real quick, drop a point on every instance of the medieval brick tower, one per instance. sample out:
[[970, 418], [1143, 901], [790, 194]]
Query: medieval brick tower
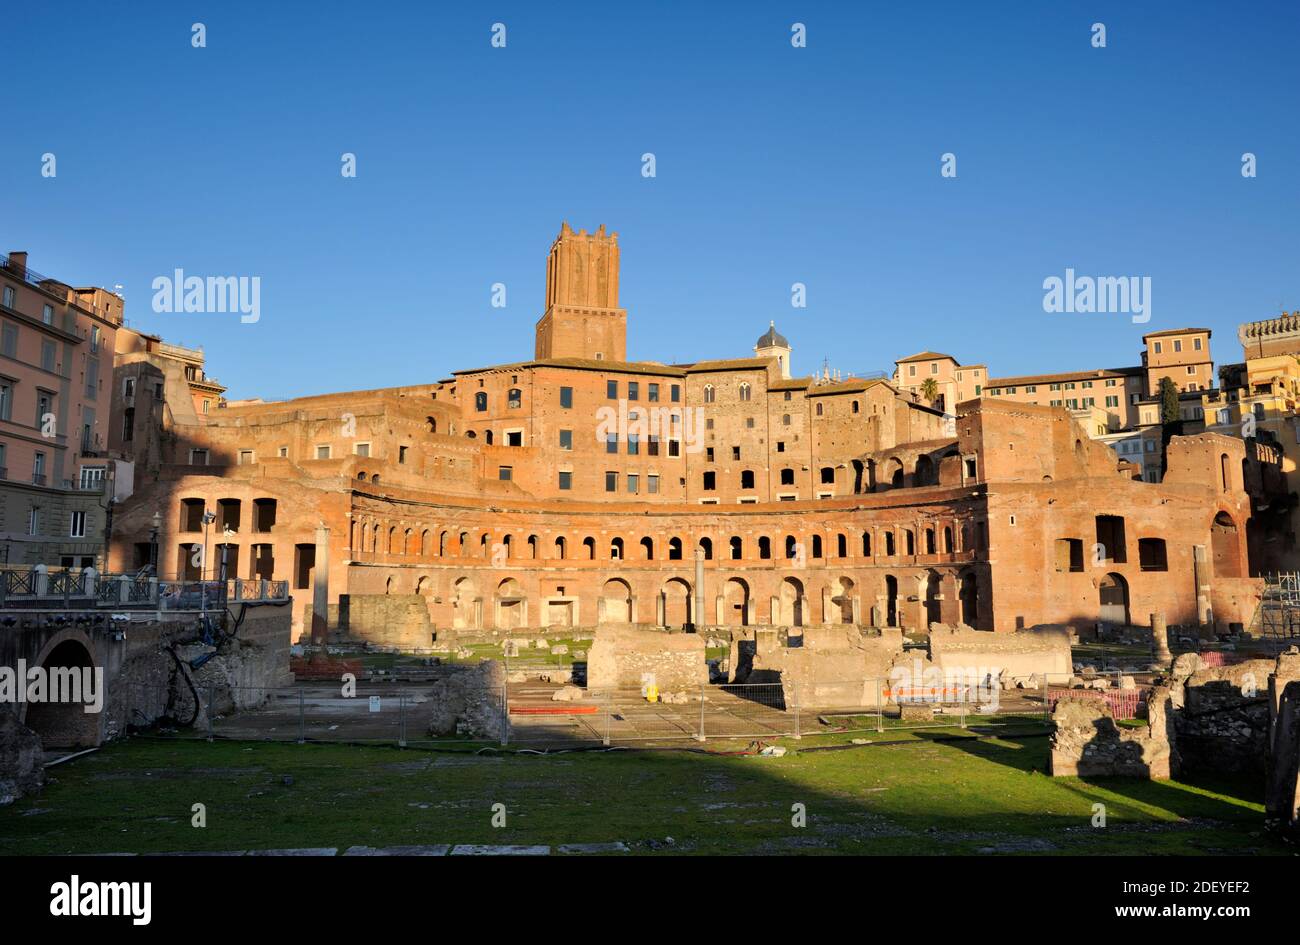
[[582, 317]]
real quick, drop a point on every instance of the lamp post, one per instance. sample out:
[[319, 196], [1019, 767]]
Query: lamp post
[[227, 533], [208, 519], [156, 522]]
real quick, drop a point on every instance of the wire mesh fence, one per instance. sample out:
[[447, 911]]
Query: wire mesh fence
[[532, 713]]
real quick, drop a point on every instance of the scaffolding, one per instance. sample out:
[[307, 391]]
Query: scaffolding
[[1278, 615]]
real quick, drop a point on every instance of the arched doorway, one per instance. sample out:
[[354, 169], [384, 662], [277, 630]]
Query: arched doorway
[[842, 601], [617, 594], [791, 602], [933, 594], [1225, 546], [65, 723], [1113, 598], [735, 603], [891, 601], [675, 603], [462, 604], [511, 605], [968, 593]]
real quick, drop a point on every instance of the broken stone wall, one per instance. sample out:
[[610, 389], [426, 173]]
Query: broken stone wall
[[621, 657], [822, 667], [1010, 658], [1282, 781], [400, 621], [1087, 742], [1223, 714]]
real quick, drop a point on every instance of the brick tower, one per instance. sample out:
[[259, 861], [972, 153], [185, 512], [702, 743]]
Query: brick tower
[[582, 317]]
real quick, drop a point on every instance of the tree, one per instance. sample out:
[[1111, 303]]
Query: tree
[[930, 389], [1168, 401]]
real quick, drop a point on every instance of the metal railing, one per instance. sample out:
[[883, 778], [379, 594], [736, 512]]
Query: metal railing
[[419, 715], [41, 587]]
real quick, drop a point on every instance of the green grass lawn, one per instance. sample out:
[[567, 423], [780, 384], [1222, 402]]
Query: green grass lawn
[[906, 793]]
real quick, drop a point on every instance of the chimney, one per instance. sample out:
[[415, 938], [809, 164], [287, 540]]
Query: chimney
[[18, 264]]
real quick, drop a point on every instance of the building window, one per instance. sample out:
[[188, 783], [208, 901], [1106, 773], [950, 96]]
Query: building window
[[633, 390], [611, 390], [323, 452], [401, 453], [652, 484], [787, 477], [785, 420], [735, 452], [652, 446], [362, 449], [200, 457], [480, 401], [710, 481], [747, 479], [245, 457], [9, 340], [633, 444], [652, 393], [675, 394], [708, 393], [744, 392], [9, 296], [819, 409], [566, 439], [514, 398], [611, 443], [780, 446], [505, 473], [566, 481], [78, 529], [633, 484], [34, 521], [47, 314], [47, 356], [674, 448], [566, 397], [611, 481]]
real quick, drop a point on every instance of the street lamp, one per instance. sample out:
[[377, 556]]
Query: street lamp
[[227, 533], [156, 521], [208, 519]]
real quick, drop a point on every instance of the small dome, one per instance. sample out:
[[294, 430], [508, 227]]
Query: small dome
[[772, 338]]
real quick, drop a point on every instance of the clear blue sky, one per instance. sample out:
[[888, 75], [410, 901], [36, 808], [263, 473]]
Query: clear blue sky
[[775, 165]]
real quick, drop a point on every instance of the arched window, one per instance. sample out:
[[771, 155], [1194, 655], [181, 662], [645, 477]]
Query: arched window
[[765, 548], [828, 475], [791, 546], [708, 393], [747, 479], [866, 544], [487, 437], [787, 477], [737, 547], [744, 391], [706, 545], [819, 408], [648, 548], [841, 545], [590, 545], [616, 549], [480, 401], [560, 546], [514, 398], [674, 549], [817, 546]]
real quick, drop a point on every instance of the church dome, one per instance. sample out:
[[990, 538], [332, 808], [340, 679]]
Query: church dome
[[772, 338]]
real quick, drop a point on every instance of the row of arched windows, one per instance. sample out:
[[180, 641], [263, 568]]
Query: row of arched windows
[[374, 538]]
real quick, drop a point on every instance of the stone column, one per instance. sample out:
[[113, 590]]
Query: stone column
[[320, 598], [1201, 575], [698, 616], [1160, 640]]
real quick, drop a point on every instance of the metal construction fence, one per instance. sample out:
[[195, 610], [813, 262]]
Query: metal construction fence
[[424, 714], [1123, 703]]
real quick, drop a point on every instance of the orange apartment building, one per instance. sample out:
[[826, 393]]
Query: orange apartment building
[[56, 368], [582, 488]]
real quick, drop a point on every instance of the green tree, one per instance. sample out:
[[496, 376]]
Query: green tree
[[1168, 401], [930, 389]]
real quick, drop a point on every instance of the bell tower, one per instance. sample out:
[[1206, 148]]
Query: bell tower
[[582, 318]]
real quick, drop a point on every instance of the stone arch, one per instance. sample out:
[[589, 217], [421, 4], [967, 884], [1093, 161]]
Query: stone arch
[[968, 596], [589, 545], [1112, 599], [736, 547], [647, 548], [932, 594], [674, 549], [561, 547], [616, 549], [735, 602], [894, 474], [841, 599], [512, 605], [616, 597], [464, 604], [791, 601], [892, 615], [676, 605], [924, 472], [65, 724], [1225, 545], [706, 545]]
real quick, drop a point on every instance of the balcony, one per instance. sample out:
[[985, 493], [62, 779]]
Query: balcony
[[38, 479]]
